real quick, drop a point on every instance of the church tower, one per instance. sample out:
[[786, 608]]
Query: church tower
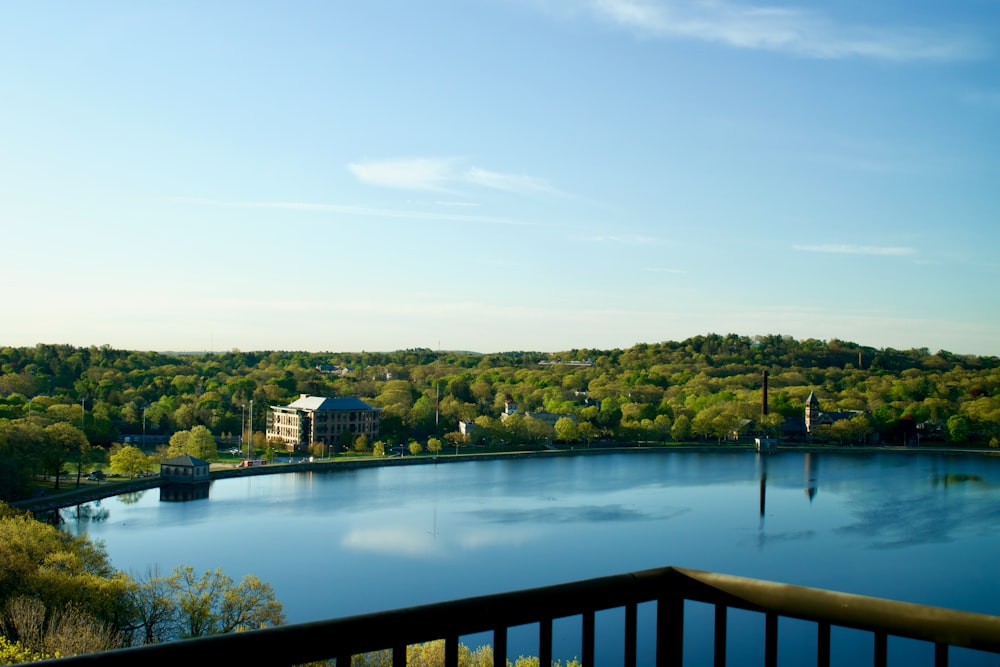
[[812, 411]]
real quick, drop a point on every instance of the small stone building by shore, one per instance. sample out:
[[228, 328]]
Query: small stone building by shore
[[184, 469]]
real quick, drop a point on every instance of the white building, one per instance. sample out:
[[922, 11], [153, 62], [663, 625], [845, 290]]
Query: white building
[[321, 419]]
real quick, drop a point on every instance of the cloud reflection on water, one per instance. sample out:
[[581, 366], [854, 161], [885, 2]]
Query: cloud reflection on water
[[581, 514]]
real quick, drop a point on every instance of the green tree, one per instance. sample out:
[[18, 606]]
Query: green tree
[[62, 441], [212, 604], [681, 428], [958, 428], [378, 449], [434, 445], [198, 442], [59, 570], [566, 430], [21, 442], [153, 608], [130, 461], [455, 439], [202, 444], [416, 448], [178, 444]]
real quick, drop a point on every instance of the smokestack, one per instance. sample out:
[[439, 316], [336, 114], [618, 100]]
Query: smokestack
[[763, 397]]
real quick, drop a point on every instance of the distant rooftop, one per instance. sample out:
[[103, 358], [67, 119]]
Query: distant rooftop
[[325, 403]]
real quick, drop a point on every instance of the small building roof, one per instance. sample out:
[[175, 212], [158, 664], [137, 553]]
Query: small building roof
[[812, 399], [184, 460], [325, 403]]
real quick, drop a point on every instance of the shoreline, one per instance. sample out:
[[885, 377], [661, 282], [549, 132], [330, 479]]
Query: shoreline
[[229, 471]]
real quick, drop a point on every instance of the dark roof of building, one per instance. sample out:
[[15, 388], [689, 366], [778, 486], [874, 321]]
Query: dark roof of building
[[812, 399], [326, 403], [184, 460], [793, 425]]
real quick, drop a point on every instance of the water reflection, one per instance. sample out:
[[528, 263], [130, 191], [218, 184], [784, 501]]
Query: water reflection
[[579, 514], [423, 533], [83, 513], [811, 462], [132, 497], [179, 493]]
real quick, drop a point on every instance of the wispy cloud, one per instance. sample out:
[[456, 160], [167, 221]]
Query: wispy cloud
[[367, 211], [410, 174], [444, 175], [801, 32], [507, 182], [844, 249]]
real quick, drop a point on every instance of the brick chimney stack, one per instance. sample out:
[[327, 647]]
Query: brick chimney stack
[[763, 398]]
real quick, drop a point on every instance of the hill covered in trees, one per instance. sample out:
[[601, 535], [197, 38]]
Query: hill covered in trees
[[700, 388]]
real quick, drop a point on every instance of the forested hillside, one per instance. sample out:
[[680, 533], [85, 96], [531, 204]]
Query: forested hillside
[[700, 388]]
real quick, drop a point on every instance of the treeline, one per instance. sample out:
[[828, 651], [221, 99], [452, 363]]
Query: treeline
[[703, 387]]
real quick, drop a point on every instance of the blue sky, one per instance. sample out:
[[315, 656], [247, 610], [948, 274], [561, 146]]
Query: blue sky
[[499, 174]]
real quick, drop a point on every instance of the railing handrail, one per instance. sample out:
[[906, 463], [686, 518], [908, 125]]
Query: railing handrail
[[861, 612], [318, 640]]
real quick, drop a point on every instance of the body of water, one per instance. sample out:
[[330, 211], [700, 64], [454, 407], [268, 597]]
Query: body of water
[[920, 527]]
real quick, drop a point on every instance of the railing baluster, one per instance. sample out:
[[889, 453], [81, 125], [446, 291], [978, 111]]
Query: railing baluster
[[451, 651], [940, 655], [587, 650], [545, 643], [399, 656], [500, 647], [822, 645], [344, 661], [770, 640], [881, 649], [631, 633], [669, 630], [720, 635]]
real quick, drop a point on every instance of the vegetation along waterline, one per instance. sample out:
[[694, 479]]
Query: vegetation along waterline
[[67, 413], [94, 419]]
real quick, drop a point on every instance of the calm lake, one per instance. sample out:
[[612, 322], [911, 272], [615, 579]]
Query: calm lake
[[920, 527]]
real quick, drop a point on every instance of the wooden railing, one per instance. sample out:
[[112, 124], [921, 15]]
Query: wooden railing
[[669, 588]]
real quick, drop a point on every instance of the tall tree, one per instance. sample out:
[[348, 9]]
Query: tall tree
[[62, 442], [130, 460], [198, 442]]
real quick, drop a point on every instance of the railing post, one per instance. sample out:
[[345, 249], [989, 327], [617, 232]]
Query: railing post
[[823, 645], [500, 647], [940, 655], [720, 635], [631, 633], [451, 651], [399, 656], [587, 650], [669, 630], [770, 639], [881, 649], [545, 643]]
